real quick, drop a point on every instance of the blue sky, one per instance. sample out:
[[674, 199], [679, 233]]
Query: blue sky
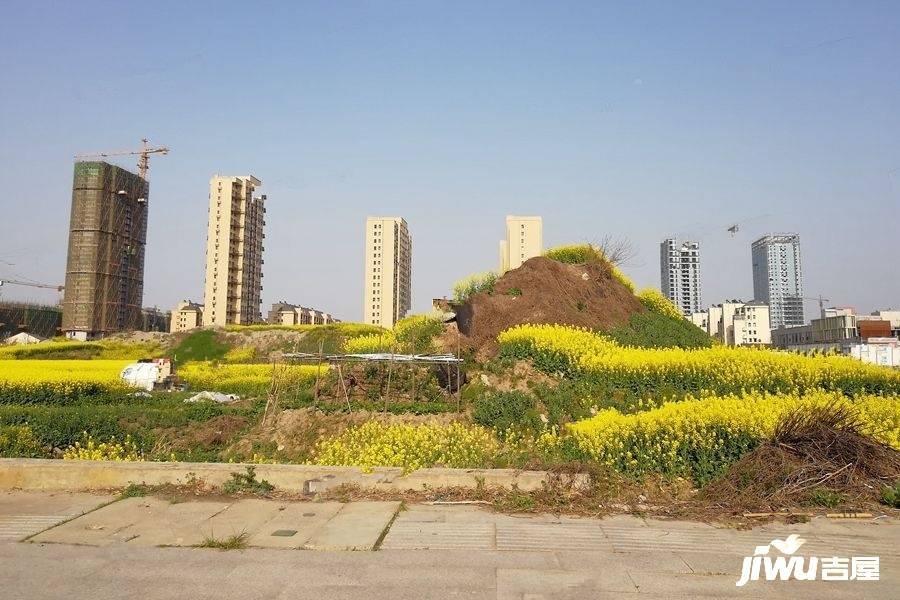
[[635, 119]]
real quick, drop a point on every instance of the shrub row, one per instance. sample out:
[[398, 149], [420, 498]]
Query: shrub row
[[581, 353]]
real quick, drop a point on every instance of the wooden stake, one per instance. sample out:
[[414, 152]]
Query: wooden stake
[[344, 386]]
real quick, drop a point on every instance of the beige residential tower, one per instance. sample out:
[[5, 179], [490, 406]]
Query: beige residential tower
[[234, 247], [387, 295], [524, 240]]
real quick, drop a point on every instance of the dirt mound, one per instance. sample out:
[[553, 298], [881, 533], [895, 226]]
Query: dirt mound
[[546, 291], [202, 435], [817, 457]]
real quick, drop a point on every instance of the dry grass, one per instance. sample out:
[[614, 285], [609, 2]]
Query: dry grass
[[816, 457]]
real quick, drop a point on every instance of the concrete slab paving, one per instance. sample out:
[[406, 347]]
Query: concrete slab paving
[[357, 526], [519, 534], [23, 514], [182, 524], [426, 535], [104, 526], [305, 518], [245, 516]]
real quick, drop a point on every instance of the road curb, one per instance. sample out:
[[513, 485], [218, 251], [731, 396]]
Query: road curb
[[49, 474]]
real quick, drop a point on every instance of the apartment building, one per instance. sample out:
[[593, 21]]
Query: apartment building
[[751, 326], [105, 263], [387, 294], [284, 313], [736, 323], [187, 315], [679, 267], [778, 278], [234, 248], [524, 240]]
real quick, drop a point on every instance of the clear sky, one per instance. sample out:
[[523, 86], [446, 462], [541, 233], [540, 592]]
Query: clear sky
[[637, 119]]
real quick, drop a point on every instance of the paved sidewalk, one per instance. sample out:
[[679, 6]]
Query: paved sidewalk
[[263, 523], [427, 552], [26, 513]]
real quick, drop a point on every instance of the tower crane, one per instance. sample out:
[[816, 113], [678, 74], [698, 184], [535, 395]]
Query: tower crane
[[143, 156], [821, 301], [46, 286]]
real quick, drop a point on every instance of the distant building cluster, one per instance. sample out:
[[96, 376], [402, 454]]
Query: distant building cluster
[[777, 290], [283, 313], [871, 338], [105, 275], [736, 323]]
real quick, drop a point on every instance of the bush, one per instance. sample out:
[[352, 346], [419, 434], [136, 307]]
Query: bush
[[578, 352], [199, 345], [700, 437], [890, 495], [415, 333], [654, 301], [575, 254], [654, 330], [579, 254], [411, 447], [243, 354], [474, 284], [506, 410], [375, 343], [18, 441], [63, 426], [246, 380], [89, 449]]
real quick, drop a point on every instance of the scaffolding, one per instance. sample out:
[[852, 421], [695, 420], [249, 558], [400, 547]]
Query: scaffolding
[[447, 369], [107, 234]]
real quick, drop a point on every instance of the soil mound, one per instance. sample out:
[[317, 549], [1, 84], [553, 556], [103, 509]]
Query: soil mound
[[545, 291], [816, 455]]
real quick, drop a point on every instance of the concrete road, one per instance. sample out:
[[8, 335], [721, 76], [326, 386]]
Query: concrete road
[[427, 552]]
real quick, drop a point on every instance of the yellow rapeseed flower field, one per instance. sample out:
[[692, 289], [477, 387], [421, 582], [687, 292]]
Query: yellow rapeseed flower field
[[411, 447], [574, 351], [30, 381], [248, 379], [697, 436]]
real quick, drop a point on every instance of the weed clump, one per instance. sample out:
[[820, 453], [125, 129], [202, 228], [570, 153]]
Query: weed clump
[[246, 483]]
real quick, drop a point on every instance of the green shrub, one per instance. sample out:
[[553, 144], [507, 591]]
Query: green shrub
[[890, 495], [575, 254], [18, 441], [415, 333], [62, 426], [825, 497], [200, 345], [506, 410], [242, 354], [474, 284], [654, 301], [514, 292], [655, 330]]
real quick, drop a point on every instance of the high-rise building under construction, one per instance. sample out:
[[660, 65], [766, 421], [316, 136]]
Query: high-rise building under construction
[[234, 247], [105, 267]]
